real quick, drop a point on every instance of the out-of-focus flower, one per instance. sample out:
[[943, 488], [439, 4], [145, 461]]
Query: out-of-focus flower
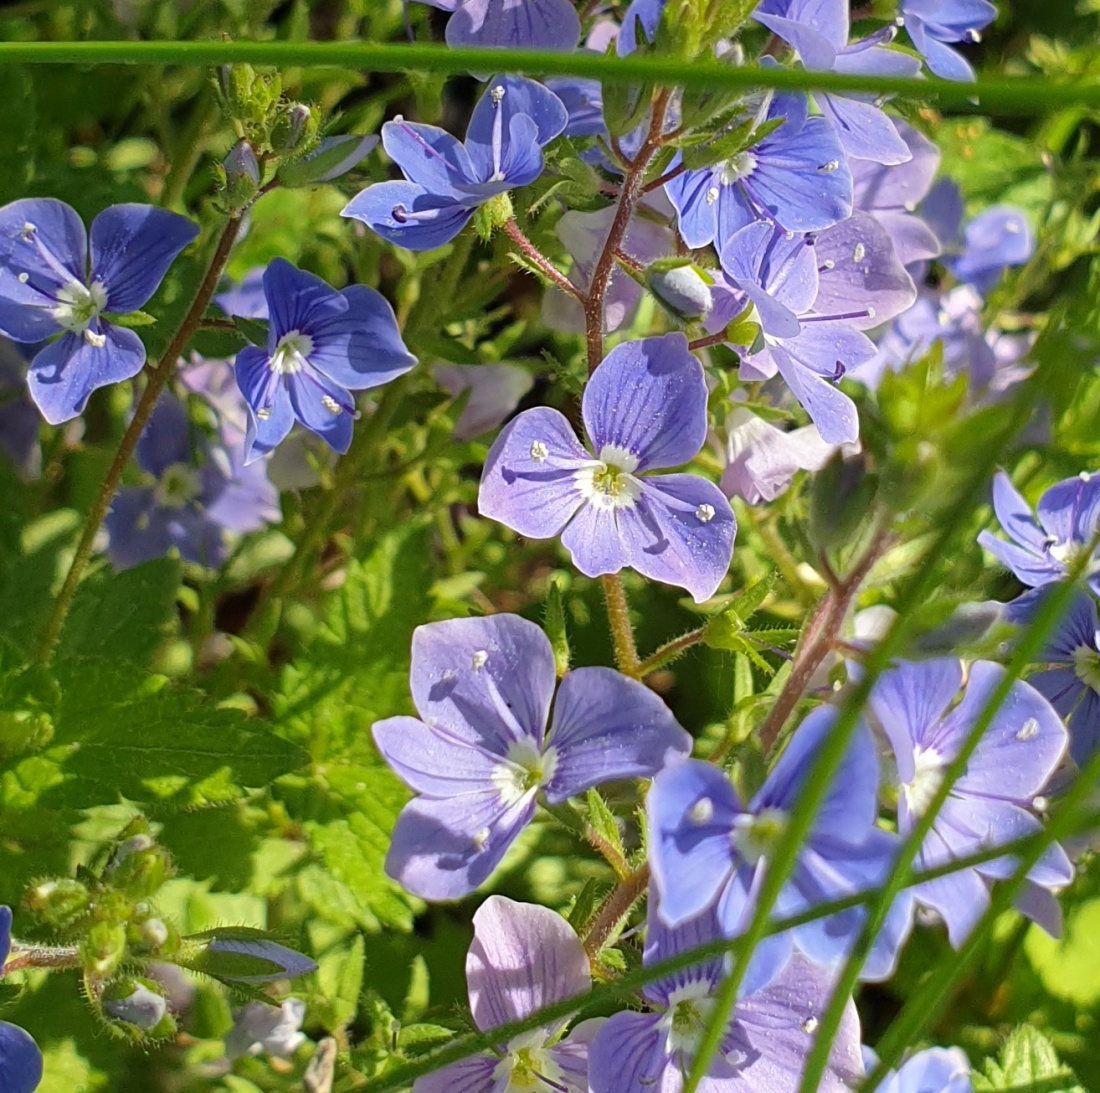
[[935, 25], [260, 1029], [495, 389], [20, 1059], [48, 287], [511, 24], [19, 417], [482, 752], [644, 409]]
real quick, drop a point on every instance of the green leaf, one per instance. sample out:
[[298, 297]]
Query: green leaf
[[602, 821], [1028, 1064], [1068, 967], [122, 616], [724, 630], [255, 330], [131, 319], [554, 624], [118, 734]]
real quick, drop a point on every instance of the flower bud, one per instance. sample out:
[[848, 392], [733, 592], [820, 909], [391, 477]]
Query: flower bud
[[237, 954], [333, 157], [58, 903], [294, 131], [138, 867], [683, 288], [104, 949], [139, 1007]]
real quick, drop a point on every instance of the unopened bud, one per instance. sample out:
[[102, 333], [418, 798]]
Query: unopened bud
[[104, 949], [58, 903], [141, 870], [140, 1007], [238, 954], [295, 130], [684, 289]]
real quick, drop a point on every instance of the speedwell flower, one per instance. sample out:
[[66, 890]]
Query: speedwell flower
[[20, 1059], [482, 751], [644, 409], [48, 287], [511, 24], [321, 345]]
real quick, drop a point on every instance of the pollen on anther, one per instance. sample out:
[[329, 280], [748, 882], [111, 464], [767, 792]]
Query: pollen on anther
[[28, 230], [263, 413], [330, 404], [1028, 730], [829, 263], [23, 278], [477, 661], [871, 313], [828, 168], [859, 253], [539, 451], [809, 1026], [497, 93], [702, 811], [712, 195], [704, 514], [97, 341]]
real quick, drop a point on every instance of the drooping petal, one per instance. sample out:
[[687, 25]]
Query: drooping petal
[[529, 480], [487, 682], [648, 398], [515, 24], [681, 531], [410, 216], [20, 1060], [943, 61], [523, 957], [863, 130], [830, 409], [132, 248], [605, 727], [431, 761], [446, 848], [861, 277], [909, 701], [690, 810], [1020, 748], [67, 371], [429, 156]]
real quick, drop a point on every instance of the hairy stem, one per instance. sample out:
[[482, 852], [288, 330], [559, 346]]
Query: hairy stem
[[538, 259], [615, 908], [157, 381], [670, 651], [41, 956], [618, 616]]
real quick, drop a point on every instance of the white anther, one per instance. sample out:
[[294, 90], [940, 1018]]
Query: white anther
[[28, 230], [481, 838], [871, 313], [829, 263], [1012, 227], [539, 451], [478, 660], [1028, 730], [712, 195], [859, 252], [23, 278], [330, 404], [828, 168], [973, 36], [789, 236], [96, 341], [399, 117], [263, 413], [704, 514], [809, 1026], [497, 93], [701, 812], [1040, 804]]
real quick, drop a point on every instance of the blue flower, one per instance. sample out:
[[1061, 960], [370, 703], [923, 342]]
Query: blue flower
[[818, 31], [446, 181], [1046, 542], [707, 850], [934, 1070], [19, 417], [47, 288], [934, 25], [796, 177], [511, 24], [192, 502], [321, 345], [20, 1059]]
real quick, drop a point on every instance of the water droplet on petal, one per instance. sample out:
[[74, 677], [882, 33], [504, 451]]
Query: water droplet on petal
[[23, 278], [828, 168], [809, 1026]]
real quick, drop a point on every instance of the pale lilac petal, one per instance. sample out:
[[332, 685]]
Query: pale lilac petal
[[909, 701], [409, 215], [832, 411], [132, 248], [861, 277], [1021, 747], [605, 727], [430, 761], [487, 682], [680, 531], [943, 61], [690, 809], [934, 1070], [445, 849], [648, 398], [471, 1075], [1070, 509], [529, 480], [67, 371], [515, 24], [1015, 514], [960, 898], [864, 131], [784, 268], [817, 49], [495, 389], [879, 188], [914, 241], [1032, 569], [628, 1056], [594, 541], [523, 958], [166, 438]]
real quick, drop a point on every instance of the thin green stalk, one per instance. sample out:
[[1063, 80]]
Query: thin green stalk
[[1032, 641], [1020, 95], [829, 758], [157, 380]]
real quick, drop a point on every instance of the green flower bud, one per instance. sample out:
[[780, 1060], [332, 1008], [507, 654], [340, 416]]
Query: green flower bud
[[138, 1008], [58, 903], [104, 949], [295, 131]]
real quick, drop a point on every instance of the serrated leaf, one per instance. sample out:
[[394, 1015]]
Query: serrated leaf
[[584, 906], [602, 821], [725, 629], [554, 625], [1029, 1064]]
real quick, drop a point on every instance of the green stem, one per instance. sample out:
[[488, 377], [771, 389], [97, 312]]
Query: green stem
[[670, 651], [989, 94], [157, 381], [603, 924]]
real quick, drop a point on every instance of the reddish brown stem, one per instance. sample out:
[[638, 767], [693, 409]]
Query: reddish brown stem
[[668, 176], [709, 340], [605, 921], [537, 258]]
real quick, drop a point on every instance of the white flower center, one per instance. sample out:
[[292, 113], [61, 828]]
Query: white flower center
[[928, 770], [756, 837], [528, 1067], [689, 1008], [1086, 663], [741, 166], [523, 770], [292, 353], [178, 486], [608, 483], [77, 305]]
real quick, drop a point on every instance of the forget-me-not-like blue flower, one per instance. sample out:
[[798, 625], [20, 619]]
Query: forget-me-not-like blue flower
[[511, 24], [708, 850], [796, 177], [992, 803], [818, 31], [20, 1059], [644, 409], [482, 751], [1047, 541], [48, 287], [934, 1070], [523, 958], [764, 1046], [322, 344], [446, 181], [935, 25]]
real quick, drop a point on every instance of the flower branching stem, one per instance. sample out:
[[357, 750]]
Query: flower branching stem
[[158, 378], [540, 261], [606, 921]]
